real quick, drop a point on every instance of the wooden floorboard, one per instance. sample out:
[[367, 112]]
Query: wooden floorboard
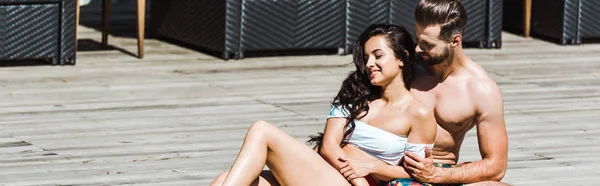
[[178, 117]]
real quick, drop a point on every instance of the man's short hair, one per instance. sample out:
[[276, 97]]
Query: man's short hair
[[449, 14]]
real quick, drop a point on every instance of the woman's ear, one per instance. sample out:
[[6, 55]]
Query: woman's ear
[[400, 62]]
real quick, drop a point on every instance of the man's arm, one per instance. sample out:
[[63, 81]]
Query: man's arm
[[492, 140], [491, 136]]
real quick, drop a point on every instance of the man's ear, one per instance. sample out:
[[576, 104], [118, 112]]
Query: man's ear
[[456, 40]]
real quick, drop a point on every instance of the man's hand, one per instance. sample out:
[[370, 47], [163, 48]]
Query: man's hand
[[421, 169], [355, 168]]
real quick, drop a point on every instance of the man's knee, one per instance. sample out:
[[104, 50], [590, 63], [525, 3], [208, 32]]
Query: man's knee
[[220, 179]]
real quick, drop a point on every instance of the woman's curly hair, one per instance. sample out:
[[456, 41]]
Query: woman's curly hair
[[357, 91]]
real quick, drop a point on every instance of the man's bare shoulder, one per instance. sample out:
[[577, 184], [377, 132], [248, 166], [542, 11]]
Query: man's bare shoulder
[[481, 83], [483, 90]]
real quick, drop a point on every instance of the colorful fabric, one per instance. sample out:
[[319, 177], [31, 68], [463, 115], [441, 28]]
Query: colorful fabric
[[411, 182]]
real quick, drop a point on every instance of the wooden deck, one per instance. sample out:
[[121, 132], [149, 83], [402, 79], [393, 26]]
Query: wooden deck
[[178, 117]]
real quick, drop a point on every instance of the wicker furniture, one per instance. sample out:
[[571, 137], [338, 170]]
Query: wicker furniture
[[38, 30]]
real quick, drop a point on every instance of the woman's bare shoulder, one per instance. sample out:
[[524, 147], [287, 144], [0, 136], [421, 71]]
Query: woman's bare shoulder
[[419, 110]]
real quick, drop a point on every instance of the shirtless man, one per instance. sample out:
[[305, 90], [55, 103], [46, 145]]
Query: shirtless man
[[463, 97]]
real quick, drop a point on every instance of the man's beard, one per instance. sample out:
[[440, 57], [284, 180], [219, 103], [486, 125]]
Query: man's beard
[[434, 60]]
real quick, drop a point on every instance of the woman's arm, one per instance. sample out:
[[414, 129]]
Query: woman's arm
[[331, 150], [363, 162], [424, 127], [332, 137], [423, 130]]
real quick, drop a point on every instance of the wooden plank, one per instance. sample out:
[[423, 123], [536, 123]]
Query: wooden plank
[[178, 117]]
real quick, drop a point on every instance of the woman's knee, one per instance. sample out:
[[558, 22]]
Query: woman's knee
[[258, 131], [220, 179], [261, 124], [260, 127], [262, 131]]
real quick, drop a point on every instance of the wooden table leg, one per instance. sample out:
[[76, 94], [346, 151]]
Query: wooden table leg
[[105, 22], [141, 18], [527, 17]]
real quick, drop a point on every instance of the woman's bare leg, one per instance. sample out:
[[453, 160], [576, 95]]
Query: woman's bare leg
[[266, 178], [291, 161], [488, 183]]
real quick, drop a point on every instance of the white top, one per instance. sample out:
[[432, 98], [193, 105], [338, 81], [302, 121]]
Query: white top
[[381, 144]]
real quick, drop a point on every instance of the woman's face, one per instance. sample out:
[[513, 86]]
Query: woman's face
[[382, 64]]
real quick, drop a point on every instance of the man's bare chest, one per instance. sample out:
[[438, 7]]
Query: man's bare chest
[[455, 111]]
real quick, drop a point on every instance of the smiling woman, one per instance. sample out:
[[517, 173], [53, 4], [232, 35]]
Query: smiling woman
[[374, 113]]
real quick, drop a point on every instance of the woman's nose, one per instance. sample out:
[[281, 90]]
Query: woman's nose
[[370, 62]]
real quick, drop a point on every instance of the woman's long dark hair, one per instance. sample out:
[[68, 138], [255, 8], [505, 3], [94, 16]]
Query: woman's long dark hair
[[357, 90]]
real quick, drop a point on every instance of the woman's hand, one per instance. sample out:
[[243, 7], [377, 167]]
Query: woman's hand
[[355, 168]]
